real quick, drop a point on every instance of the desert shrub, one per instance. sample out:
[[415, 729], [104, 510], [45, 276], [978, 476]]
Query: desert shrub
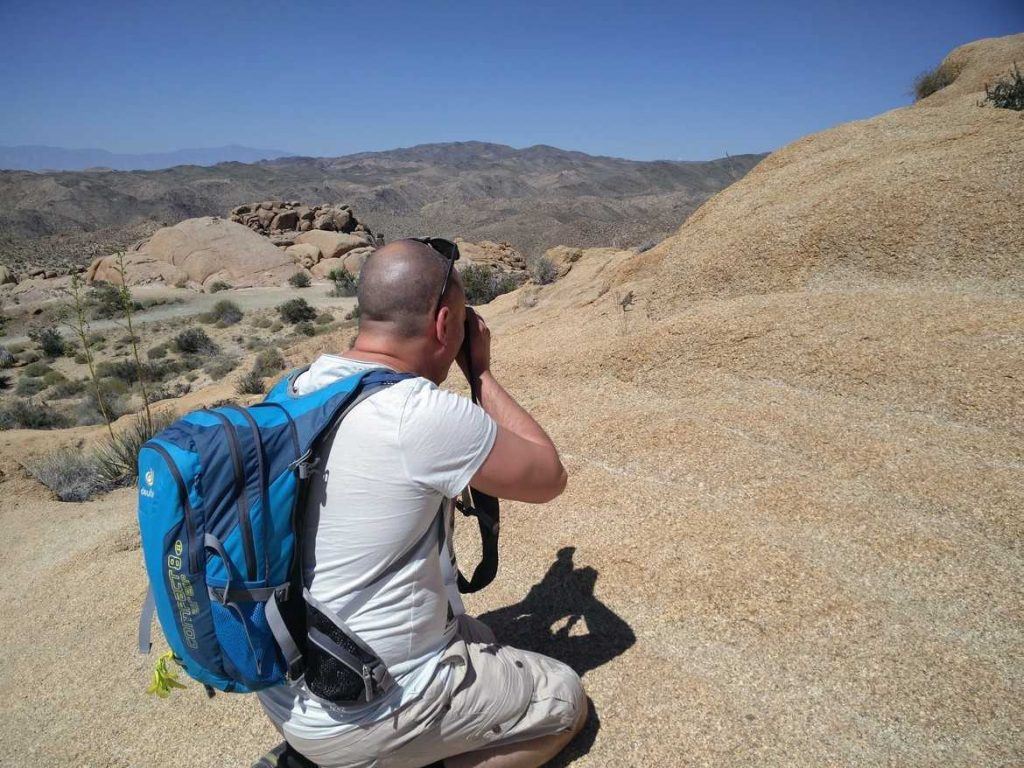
[[50, 342], [934, 80], [71, 474], [324, 318], [224, 312], [646, 245], [250, 383], [104, 301], [28, 357], [1007, 93], [96, 339], [81, 358], [543, 270], [268, 363], [217, 286], [117, 458], [17, 348], [484, 284], [353, 314], [296, 311], [191, 362], [181, 282], [299, 280], [53, 377], [276, 326], [5, 382], [28, 414], [68, 388], [128, 371], [306, 329], [7, 359], [157, 352], [29, 385], [220, 367], [38, 368], [260, 322], [194, 341], [345, 284], [4, 320]]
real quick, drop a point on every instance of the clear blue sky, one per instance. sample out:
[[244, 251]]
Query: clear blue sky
[[674, 80]]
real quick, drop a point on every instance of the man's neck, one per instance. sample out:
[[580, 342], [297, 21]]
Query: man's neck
[[404, 361]]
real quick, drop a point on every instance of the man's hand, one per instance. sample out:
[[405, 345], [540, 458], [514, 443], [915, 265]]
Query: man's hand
[[479, 345]]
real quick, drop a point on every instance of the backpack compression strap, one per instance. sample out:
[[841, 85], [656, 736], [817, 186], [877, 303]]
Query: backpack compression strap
[[477, 503]]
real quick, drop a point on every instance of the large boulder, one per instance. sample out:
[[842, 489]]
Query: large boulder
[[331, 244], [352, 261], [500, 256], [563, 257], [198, 252], [305, 254]]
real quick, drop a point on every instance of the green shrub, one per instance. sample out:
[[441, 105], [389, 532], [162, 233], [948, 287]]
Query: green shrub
[[936, 79], [38, 368], [324, 318], [251, 383], [104, 301], [53, 377], [28, 357], [543, 270], [1008, 92], [157, 352], [50, 342], [71, 474], [68, 388], [224, 313], [269, 362], [217, 286], [128, 371], [299, 280], [194, 341], [29, 385], [345, 284], [296, 311], [220, 367], [28, 414], [484, 284], [306, 329], [7, 359]]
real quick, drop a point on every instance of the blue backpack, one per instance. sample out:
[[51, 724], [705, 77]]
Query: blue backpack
[[221, 494]]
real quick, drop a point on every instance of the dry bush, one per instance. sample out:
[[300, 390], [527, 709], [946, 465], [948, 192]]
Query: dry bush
[[269, 362], [299, 280], [224, 313], [28, 414], [250, 383], [117, 458], [71, 474], [936, 79]]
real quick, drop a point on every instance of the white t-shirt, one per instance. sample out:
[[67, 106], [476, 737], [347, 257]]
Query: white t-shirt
[[394, 460]]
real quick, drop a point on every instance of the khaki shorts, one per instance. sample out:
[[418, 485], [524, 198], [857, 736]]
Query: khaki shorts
[[497, 695]]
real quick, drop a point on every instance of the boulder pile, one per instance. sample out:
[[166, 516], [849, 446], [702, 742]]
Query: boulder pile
[[501, 257], [275, 217]]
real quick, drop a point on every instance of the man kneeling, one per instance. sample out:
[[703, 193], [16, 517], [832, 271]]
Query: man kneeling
[[460, 698]]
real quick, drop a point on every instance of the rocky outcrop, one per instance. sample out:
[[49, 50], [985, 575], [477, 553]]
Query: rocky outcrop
[[273, 217], [198, 252], [563, 257], [500, 256]]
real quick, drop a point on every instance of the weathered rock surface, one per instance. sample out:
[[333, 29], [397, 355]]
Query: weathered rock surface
[[331, 244], [197, 252], [563, 257], [500, 256]]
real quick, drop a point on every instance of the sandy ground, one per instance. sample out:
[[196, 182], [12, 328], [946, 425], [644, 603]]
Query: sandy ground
[[788, 549]]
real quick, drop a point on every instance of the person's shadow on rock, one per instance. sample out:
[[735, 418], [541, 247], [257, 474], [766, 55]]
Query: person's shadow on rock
[[545, 621]]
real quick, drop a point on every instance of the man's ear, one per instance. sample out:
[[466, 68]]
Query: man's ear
[[441, 325]]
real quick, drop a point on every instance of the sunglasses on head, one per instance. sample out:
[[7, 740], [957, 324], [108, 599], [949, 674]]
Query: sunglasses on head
[[450, 252]]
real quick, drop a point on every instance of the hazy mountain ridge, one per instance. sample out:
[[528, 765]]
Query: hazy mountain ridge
[[534, 197], [39, 157]]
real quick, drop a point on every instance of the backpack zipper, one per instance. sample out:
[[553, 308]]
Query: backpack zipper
[[248, 546], [193, 564]]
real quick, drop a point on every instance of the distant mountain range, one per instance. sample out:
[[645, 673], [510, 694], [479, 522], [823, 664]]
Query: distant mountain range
[[534, 198], [43, 158]]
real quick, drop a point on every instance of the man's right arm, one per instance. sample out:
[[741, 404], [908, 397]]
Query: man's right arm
[[523, 465]]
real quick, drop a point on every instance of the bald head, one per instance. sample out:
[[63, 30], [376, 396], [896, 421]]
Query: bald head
[[399, 284]]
